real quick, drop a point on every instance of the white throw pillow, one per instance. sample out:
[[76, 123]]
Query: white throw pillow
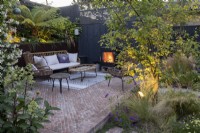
[[39, 61], [73, 57], [51, 59]]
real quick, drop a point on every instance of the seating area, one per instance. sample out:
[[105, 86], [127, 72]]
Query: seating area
[[93, 66], [49, 71], [44, 63]]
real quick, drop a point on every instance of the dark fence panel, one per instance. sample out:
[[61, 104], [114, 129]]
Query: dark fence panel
[[93, 27], [89, 46], [72, 12], [190, 30]]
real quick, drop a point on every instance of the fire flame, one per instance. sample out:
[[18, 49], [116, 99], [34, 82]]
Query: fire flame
[[108, 57]]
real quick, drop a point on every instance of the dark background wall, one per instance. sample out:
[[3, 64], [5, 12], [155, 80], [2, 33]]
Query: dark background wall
[[71, 12], [93, 27], [89, 46]]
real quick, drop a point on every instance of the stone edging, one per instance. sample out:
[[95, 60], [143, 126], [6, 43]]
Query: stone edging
[[99, 125]]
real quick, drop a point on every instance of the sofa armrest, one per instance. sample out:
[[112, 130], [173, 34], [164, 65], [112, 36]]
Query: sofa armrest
[[43, 72], [28, 57]]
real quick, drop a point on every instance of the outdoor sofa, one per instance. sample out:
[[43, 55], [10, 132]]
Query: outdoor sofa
[[44, 63]]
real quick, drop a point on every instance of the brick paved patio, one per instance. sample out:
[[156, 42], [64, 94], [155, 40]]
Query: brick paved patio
[[81, 110]]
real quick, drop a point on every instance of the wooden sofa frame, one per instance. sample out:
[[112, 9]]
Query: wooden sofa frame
[[45, 72]]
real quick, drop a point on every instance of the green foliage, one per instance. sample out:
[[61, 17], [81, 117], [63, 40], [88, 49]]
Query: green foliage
[[180, 103], [19, 110], [121, 118], [151, 37], [172, 109], [108, 77], [180, 71], [140, 106], [190, 123], [44, 23]]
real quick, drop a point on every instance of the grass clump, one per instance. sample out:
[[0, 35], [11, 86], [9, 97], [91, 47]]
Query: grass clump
[[173, 111]]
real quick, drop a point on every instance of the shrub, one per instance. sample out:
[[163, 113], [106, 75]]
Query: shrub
[[19, 112], [182, 103], [121, 117], [135, 113], [179, 71], [173, 107], [190, 124]]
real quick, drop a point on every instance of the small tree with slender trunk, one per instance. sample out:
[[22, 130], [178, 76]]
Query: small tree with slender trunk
[[142, 30]]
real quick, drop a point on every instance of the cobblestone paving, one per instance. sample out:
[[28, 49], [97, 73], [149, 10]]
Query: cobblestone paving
[[81, 110]]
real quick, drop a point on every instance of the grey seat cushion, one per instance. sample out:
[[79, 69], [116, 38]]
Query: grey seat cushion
[[63, 65]]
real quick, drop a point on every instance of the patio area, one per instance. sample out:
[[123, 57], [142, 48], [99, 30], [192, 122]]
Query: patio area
[[67, 67], [81, 111]]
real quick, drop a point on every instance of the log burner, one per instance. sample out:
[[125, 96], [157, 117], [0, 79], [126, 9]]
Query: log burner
[[107, 58]]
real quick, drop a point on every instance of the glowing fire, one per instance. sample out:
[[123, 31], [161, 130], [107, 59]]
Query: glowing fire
[[108, 57]]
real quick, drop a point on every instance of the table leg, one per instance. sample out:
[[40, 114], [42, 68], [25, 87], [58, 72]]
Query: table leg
[[53, 84], [95, 71], [81, 76], [60, 80], [67, 83], [70, 75], [109, 82], [122, 84]]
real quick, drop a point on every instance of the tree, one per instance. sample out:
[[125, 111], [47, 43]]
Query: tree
[[142, 30]]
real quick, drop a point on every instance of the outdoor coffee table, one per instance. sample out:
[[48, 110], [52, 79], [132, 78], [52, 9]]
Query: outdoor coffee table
[[60, 76], [84, 68]]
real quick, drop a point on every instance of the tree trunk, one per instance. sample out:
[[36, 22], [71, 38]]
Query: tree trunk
[[155, 86], [149, 87]]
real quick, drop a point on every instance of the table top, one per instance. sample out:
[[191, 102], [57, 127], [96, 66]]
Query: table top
[[83, 67], [59, 75]]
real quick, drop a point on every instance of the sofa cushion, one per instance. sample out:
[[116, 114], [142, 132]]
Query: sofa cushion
[[40, 62], [63, 65], [51, 59], [73, 57], [63, 58]]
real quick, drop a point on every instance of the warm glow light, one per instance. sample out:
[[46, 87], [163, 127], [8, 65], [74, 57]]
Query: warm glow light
[[141, 94], [108, 57]]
